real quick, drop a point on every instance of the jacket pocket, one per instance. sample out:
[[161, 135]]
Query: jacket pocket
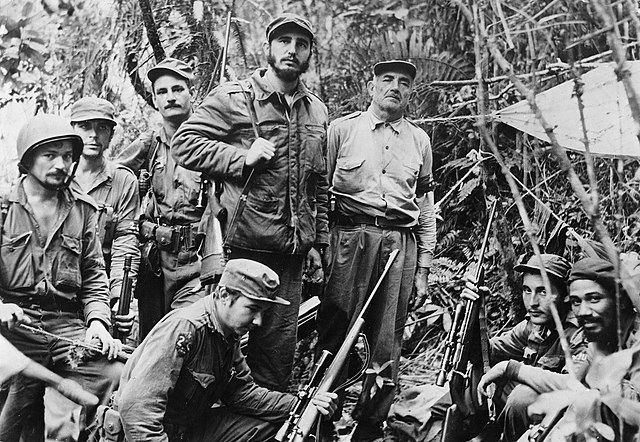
[[16, 262], [192, 389], [66, 269]]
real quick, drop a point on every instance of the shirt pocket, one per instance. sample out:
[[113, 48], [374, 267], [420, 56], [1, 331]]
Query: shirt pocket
[[16, 262], [66, 269], [312, 140], [195, 389], [349, 176]]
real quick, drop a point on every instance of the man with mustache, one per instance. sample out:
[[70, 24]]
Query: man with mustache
[[192, 359], [263, 140], [381, 185], [171, 217], [592, 294], [115, 188], [52, 276]]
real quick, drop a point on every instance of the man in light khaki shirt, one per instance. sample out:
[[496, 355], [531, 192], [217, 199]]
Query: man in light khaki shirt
[[380, 179]]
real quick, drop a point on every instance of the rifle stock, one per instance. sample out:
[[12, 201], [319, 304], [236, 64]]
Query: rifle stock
[[297, 428], [125, 292]]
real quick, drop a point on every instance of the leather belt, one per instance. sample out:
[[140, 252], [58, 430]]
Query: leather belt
[[378, 221]]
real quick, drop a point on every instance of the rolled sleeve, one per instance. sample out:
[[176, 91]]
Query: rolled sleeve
[[426, 232]]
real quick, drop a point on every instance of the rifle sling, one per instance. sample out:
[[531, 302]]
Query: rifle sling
[[242, 201]]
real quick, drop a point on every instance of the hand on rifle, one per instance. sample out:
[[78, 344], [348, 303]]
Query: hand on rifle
[[260, 152], [472, 292], [326, 402], [486, 386], [11, 315], [122, 323], [108, 345]]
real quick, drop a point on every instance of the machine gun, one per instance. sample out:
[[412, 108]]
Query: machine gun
[[304, 413], [465, 416], [125, 293]]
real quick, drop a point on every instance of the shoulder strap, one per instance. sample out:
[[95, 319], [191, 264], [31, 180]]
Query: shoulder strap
[[249, 97]]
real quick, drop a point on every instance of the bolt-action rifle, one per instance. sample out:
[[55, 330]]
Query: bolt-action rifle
[[466, 417], [125, 293], [304, 413]]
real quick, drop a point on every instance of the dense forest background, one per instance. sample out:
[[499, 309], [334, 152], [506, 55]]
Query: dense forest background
[[55, 51]]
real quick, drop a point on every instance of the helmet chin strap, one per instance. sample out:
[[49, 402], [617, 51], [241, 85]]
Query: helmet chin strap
[[65, 184]]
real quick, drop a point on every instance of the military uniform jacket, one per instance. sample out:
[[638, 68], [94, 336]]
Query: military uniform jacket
[[286, 207], [183, 367], [65, 273], [115, 189], [175, 188]]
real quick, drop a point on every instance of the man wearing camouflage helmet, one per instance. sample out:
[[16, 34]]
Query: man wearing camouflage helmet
[[52, 272], [171, 213], [263, 139], [115, 188]]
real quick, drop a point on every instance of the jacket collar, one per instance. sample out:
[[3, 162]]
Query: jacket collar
[[213, 322], [263, 89]]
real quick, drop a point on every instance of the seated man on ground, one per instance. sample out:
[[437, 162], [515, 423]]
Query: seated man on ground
[[191, 360], [592, 293], [534, 341]]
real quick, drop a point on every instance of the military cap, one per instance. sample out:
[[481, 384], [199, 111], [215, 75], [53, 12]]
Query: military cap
[[252, 279], [594, 269], [93, 108], [554, 265], [395, 65], [289, 19], [171, 65]]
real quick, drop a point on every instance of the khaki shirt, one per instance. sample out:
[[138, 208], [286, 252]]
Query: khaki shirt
[[374, 169], [67, 270], [115, 189]]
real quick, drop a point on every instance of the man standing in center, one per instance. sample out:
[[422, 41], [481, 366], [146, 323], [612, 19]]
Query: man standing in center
[[172, 216], [263, 138], [380, 173]]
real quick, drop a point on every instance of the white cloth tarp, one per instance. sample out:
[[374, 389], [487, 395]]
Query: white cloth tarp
[[611, 130]]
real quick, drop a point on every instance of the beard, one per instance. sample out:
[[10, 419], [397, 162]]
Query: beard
[[288, 74]]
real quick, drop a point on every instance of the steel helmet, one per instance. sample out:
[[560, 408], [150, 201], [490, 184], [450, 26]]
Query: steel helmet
[[46, 128]]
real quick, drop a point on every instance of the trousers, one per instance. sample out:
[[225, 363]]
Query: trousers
[[23, 411], [272, 346], [357, 256]]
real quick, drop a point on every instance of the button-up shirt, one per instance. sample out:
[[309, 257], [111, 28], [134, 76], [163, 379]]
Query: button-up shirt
[[67, 267], [175, 188], [374, 169], [183, 367], [115, 189]]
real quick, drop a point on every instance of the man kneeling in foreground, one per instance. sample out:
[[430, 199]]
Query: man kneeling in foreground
[[191, 359]]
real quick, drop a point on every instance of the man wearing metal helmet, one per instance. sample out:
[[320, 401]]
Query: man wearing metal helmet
[[192, 359], [52, 271], [115, 188], [263, 138], [170, 210]]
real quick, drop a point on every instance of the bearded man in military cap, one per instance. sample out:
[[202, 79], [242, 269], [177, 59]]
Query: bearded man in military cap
[[192, 359], [52, 275], [263, 138]]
